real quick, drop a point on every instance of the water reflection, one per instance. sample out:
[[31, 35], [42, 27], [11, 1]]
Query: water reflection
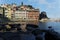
[[45, 25], [42, 25]]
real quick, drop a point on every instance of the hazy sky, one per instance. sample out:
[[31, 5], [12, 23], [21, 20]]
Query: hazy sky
[[52, 7]]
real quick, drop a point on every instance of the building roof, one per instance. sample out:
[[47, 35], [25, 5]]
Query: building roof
[[21, 7]]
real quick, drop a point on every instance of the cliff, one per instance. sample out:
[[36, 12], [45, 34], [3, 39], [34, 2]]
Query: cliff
[[43, 15]]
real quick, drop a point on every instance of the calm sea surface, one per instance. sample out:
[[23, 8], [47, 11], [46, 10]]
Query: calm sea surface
[[45, 25]]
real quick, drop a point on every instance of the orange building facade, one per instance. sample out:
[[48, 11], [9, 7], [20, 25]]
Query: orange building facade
[[33, 15]]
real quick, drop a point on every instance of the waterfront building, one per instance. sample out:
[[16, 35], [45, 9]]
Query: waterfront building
[[33, 14], [8, 13], [22, 12], [28, 12], [1, 10]]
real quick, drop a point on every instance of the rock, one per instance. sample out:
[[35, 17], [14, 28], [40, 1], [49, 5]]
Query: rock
[[43, 15]]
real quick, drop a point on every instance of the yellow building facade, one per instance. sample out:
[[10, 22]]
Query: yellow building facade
[[8, 13]]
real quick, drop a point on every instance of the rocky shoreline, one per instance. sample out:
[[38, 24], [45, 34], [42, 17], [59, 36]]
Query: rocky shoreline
[[33, 33]]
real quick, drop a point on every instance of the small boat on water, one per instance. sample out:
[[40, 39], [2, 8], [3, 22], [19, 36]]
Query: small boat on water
[[51, 34]]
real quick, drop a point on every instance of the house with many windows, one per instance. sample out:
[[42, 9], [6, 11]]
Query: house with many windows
[[21, 12]]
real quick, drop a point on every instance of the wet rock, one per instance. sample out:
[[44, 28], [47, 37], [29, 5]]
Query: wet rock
[[36, 32], [39, 34], [31, 27], [1, 38], [27, 37], [38, 38]]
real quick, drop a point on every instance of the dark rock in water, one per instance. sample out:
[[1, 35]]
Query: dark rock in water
[[50, 27], [39, 34], [16, 36], [1, 38], [38, 38], [18, 28], [52, 35], [15, 25], [27, 37], [48, 36], [43, 15], [36, 32], [2, 27], [10, 36], [31, 27]]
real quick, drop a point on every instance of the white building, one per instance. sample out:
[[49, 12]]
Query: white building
[[20, 14]]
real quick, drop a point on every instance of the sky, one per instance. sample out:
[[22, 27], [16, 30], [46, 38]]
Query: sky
[[51, 7]]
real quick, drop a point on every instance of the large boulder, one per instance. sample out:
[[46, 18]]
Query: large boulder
[[43, 15]]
